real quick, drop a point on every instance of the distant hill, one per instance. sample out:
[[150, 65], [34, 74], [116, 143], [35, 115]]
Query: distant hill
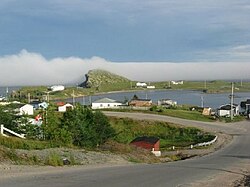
[[97, 77]]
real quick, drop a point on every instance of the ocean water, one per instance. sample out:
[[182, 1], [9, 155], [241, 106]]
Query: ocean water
[[181, 96]]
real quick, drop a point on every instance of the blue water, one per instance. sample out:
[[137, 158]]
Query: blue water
[[181, 96]]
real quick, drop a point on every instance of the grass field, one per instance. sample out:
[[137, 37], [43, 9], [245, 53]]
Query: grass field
[[169, 134]]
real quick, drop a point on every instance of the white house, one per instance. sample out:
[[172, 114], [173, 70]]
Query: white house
[[166, 102], [25, 109], [177, 82], [225, 110], [57, 88], [151, 87], [105, 103], [65, 107], [141, 84]]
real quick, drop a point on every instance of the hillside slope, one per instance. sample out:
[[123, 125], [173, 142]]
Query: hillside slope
[[97, 77]]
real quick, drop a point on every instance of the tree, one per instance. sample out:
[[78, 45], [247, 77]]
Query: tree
[[52, 130], [8, 118], [88, 129]]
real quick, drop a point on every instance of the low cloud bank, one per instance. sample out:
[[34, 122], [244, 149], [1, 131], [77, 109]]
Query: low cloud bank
[[28, 68]]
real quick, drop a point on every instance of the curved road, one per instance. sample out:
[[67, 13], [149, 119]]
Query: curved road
[[181, 173]]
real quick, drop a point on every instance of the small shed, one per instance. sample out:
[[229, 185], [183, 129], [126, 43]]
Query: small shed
[[207, 111], [147, 142], [62, 107]]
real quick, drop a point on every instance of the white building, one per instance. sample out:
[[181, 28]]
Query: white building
[[105, 103], [57, 88], [141, 84], [225, 110], [151, 87], [166, 102], [25, 109], [177, 82], [65, 107]]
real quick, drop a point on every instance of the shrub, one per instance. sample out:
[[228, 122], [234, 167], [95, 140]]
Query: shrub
[[54, 160]]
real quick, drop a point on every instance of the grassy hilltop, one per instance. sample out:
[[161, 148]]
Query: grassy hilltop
[[101, 80]]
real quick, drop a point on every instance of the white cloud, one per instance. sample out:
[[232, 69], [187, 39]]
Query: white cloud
[[28, 68]]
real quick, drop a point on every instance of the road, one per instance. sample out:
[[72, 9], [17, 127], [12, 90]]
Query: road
[[181, 173]]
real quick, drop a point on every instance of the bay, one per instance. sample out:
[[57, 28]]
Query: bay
[[189, 97], [181, 96]]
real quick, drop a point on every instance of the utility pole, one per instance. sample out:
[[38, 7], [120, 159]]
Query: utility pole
[[232, 101], [202, 101], [7, 93], [48, 97], [28, 97], [73, 97]]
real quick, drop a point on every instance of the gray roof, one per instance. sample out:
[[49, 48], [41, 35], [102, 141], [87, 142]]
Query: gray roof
[[106, 100]]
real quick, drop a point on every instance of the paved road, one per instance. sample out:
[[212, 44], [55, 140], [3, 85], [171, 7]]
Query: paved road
[[180, 173]]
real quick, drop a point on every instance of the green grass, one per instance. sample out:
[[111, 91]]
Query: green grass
[[54, 160], [179, 112], [17, 143], [185, 114], [216, 86], [169, 134]]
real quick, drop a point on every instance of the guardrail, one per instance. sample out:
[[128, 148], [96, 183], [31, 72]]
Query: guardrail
[[205, 143], [2, 129]]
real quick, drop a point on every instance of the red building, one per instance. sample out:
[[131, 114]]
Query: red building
[[147, 142]]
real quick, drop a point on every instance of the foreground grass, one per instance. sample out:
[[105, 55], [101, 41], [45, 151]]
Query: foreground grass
[[126, 130], [186, 114], [17, 143], [169, 134]]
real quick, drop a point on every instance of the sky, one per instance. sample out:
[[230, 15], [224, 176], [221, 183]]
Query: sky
[[58, 41]]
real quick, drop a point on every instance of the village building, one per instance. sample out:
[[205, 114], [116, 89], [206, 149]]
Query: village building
[[150, 87], [140, 102], [63, 107], [141, 84], [57, 88], [225, 110], [177, 82], [166, 103], [105, 103], [24, 109], [39, 105], [245, 107], [148, 142], [207, 111]]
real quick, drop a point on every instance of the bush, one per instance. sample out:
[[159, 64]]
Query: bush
[[54, 160], [87, 129]]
